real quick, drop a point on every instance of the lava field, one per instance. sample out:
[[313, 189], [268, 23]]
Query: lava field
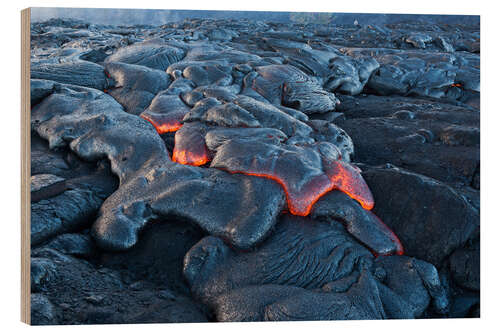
[[239, 170]]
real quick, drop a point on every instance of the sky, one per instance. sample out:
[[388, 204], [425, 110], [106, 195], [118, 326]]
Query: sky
[[113, 16]]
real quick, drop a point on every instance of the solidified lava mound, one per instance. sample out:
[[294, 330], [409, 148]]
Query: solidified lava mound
[[235, 170]]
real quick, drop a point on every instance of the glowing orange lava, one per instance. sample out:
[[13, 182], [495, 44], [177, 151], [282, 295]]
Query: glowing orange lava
[[187, 157], [190, 147], [459, 85], [348, 179], [162, 124], [301, 193]]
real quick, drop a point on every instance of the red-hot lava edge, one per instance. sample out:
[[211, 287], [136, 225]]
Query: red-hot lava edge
[[341, 179], [162, 125], [187, 157]]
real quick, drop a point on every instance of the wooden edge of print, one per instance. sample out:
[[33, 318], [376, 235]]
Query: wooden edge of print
[[25, 166]]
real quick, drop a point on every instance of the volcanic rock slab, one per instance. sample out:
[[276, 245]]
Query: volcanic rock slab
[[149, 54], [300, 252], [144, 167], [135, 86], [289, 86], [362, 224], [349, 76], [285, 303], [417, 216], [81, 73], [272, 117], [221, 204], [73, 291], [429, 137], [306, 270]]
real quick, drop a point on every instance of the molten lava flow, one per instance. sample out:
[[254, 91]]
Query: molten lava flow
[[187, 157], [459, 85], [341, 176], [348, 179], [164, 123], [306, 173], [190, 147]]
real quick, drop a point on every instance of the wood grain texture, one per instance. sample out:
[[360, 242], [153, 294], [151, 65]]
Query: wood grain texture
[[25, 166]]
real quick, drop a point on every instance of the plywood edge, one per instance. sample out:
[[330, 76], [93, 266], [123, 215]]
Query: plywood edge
[[25, 166]]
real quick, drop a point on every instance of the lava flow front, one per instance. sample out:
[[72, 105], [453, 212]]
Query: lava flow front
[[163, 123], [342, 177], [190, 147]]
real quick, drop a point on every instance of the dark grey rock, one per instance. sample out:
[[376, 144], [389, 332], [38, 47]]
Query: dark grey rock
[[217, 136], [222, 204], [270, 116], [430, 218], [285, 303], [328, 132], [39, 89], [80, 73], [42, 272], [288, 86], [303, 268], [135, 86], [75, 244], [348, 75], [207, 75], [223, 94], [149, 54], [465, 266], [42, 310], [374, 122], [74, 209], [300, 252], [413, 281], [98, 127], [460, 136], [42, 181], [94, 299], [229, 115], [365, 226], [46, 186], [200, 108], [192, 97]]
